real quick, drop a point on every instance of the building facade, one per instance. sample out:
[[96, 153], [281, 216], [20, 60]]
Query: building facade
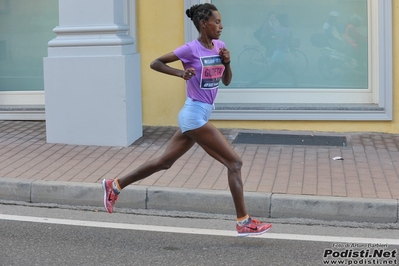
[[86, 63]]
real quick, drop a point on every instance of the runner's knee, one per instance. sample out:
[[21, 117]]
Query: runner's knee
[[236, 165]]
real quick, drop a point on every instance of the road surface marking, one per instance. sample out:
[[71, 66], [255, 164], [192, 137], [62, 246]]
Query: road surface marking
[[198, 231]]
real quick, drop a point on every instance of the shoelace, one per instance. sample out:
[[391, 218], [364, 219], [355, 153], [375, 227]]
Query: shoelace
[[256, 221]]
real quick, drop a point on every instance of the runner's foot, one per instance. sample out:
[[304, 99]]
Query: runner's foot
[[253, 227], [109, 195]]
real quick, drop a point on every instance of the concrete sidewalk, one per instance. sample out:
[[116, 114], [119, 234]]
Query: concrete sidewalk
[[280, 181]]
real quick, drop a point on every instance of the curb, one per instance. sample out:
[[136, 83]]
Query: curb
[[263, 205]]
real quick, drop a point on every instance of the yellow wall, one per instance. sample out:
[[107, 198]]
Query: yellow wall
[[161, 30]]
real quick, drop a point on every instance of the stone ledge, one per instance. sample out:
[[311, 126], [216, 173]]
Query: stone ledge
[[293, 107], [22, 108]]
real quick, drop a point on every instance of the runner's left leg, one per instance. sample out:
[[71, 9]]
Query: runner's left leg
[[177, 147], [216, 145]]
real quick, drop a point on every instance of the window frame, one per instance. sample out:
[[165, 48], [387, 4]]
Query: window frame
[[381, 82]]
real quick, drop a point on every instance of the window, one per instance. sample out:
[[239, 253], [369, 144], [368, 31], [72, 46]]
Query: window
[[25, 29], [333, 64]]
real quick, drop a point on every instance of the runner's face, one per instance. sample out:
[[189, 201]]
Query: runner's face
[[214, 25]]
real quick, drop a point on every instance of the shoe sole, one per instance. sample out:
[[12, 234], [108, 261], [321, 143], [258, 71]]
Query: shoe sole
[[105, 196], [253, 234]]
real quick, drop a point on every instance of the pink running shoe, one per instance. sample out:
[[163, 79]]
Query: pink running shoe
[[253, 227], [109, 195]]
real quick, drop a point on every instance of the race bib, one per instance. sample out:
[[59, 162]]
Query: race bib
[[212, 72]]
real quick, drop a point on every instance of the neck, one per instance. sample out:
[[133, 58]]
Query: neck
[[207, 44]]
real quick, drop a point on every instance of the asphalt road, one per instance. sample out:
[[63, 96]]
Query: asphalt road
[[52, 236]]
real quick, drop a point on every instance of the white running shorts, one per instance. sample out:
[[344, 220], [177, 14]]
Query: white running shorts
[[194, 114]]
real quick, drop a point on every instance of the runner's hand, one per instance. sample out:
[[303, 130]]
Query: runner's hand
[[225, 55], [188, 73]]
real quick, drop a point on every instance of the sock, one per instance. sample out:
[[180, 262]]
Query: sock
[[116, 187], [243, 220]]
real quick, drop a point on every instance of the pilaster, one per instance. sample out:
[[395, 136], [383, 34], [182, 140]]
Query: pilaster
[[92, 76]]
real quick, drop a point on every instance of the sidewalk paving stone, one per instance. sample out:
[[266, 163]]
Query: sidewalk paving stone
[[369, 169]]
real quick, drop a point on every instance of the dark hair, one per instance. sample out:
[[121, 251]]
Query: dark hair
[[200, 12]]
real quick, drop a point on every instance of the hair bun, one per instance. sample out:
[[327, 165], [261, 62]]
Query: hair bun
[[189, 14], [191, 11]]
